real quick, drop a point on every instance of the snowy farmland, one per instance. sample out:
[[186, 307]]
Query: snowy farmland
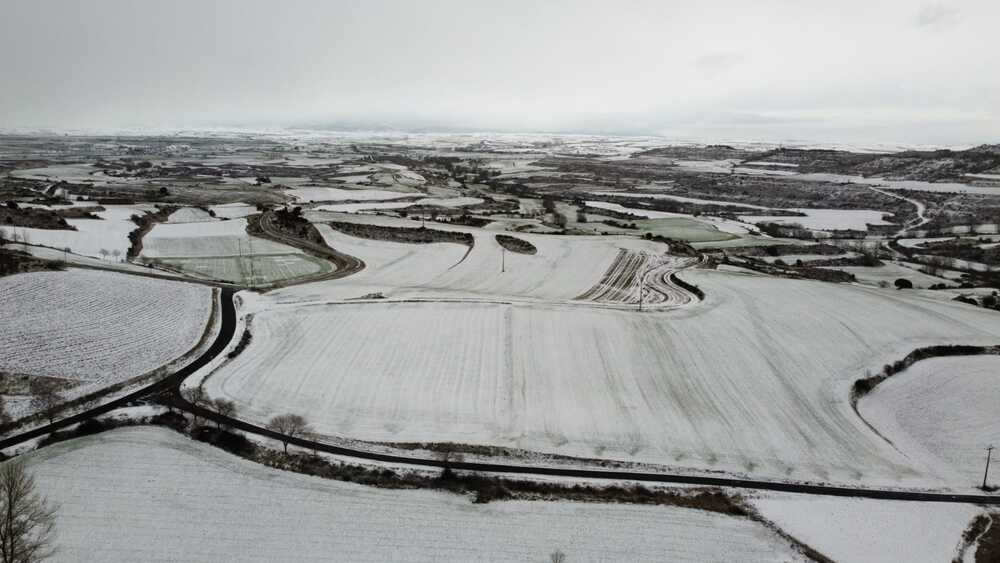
[[233, 210], [190, 215], [943, 410], [109, 233], [735, 384], [96, 328], [853, 530], [223, 250], [131, 495], [563, 268], [388, 205], [825, 219], [339, 194]]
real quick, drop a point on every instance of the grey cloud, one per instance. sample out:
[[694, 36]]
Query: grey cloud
[[937, 16], [774, 67]]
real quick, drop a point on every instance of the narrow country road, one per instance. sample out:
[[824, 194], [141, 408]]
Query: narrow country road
[[345, 264], [170, 383], [921, 210]]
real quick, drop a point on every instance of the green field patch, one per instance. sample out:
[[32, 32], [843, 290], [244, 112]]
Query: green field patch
[[264, 269], [682, 228]]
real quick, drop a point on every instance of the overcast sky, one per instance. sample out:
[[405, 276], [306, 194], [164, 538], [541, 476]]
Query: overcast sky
[[846, 70]]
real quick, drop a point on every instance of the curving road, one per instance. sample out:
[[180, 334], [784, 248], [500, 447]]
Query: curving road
[[345, 263], [171, 384]]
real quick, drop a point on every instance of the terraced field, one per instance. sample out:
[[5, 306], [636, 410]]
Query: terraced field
[[562, 268], [634, 276]]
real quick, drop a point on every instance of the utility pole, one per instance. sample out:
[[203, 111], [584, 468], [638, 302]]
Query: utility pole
[[503, 259], [989, 454], [250, 246]]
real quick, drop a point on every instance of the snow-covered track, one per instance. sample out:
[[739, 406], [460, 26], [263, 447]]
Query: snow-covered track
[[635, 276]]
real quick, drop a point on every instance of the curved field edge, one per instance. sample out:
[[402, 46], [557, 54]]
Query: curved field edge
[[212, 326], [394, 313], [865, 385], [486, 493], [308, 239]]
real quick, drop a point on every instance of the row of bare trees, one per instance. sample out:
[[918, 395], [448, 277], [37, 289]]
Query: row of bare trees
[[290, 426]]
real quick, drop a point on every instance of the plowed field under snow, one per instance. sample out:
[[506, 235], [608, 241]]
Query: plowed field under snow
[[754, 380], [97, 328]]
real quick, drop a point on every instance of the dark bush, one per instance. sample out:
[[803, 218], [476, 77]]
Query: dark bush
[[90, 426], [229, 441], [174, 420]]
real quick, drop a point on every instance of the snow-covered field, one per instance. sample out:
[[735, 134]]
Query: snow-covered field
[[645, 213], [682, 199], [889, 272], [96, 327], [825, 219], [370, 206], [851, 530], [723, 228], [563, 268], [340, 194], [215, 238], [190, 215], [383, 205], [819, 219], [222, 250], [110, 233], [148, 494], [941, 409], [233, 210], [754, 380]]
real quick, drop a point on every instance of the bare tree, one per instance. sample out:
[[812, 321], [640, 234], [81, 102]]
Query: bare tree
[[117, 254], [104, 253], [289, 426], [557, 556], [27, 520], [225, 407], [5, 419], [197, 397], [45, 398]]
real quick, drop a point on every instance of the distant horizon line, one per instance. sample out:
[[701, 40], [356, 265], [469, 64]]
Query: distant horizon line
[[196, 131]]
